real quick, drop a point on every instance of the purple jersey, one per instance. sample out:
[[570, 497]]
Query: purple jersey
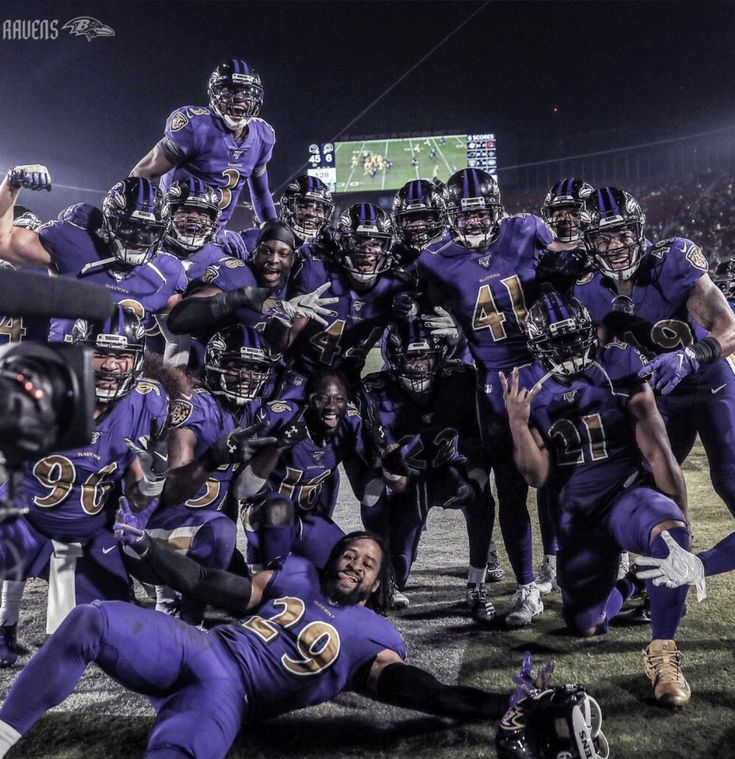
[[302, 648], [587, 427], [80, 252], [70, 493], [358, 322], [204, 148], [656, 319], [449, 427], [302, 471], [209, 421], [487, 291], [196, 263]]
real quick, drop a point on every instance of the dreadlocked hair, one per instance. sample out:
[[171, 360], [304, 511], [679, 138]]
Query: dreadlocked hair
[[174, 381], [380, 599]]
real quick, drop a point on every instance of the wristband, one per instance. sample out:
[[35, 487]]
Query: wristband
[[151, 488], [707, 351]]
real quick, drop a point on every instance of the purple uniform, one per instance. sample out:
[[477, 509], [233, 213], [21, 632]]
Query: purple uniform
[[449, 429], [196, 264], [204, 148], [601, 498], [487, 293], [304, 473], [300, 649], [657, 321], [77, 250], [358, 323]]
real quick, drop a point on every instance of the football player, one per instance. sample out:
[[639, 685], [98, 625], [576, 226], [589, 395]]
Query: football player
[[304, 637], [589, 429], [224, 145], [419, 211], [420, 402], [286, 485], [660, 298], [66, 535], [306, 207], [198, 516], [361, 282], [484, 271], [116, 247]]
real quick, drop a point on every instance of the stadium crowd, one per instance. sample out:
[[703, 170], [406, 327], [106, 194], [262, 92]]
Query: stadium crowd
[[559, 349]]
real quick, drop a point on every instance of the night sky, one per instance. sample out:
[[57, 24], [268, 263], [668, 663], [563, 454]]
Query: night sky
[[616, 73]]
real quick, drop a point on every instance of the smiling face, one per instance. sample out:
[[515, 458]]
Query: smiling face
[[327, 406], [355, 573], [272, 262]]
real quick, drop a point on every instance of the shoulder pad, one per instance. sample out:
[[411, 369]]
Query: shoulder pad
[[82, 215], [264, 123], [352, 410], [374, 381], [455, 367], [693, 254], [521, 215], [662, 247], [180, 411], [233, 263], [619, 344], [196, 110], [279, 407]]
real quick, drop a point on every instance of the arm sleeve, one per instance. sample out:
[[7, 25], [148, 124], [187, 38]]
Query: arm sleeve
[[215, 586], [193, 314], [261, 197], [414, 688]]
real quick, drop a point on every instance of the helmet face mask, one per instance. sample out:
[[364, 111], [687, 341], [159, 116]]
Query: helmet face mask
[[563, 206], [235, 93], [193, 212], [119, 347], [307, 207], [612, 226], [561, 335], [723, 275], [236, 365], [134, 220], [420, 214], [564, 722], [365, 237], [474, 209], [415, 358]]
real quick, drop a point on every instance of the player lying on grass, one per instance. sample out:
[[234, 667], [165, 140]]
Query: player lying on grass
[[314, 635]]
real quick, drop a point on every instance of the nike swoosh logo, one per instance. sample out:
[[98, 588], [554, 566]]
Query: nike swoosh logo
[[715, 390], [108, 549]]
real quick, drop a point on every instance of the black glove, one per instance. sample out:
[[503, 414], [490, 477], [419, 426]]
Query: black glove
[[395, 462], [237, 446], [291, 433], [405, 306], [247, 297]]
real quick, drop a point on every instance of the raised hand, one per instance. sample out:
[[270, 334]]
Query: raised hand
[[33, 176], [666, 371], [517, 399], [152, 453], [311, 305]]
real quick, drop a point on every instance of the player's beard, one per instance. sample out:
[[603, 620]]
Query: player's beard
[[345, 597]]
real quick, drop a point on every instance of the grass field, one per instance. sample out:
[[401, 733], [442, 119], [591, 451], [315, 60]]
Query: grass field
[[102, 720], [352, 176]]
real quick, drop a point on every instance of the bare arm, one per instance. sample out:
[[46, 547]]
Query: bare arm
[[653, 442], [153, 164], [529, 451], [21, 247], [186, 474], [708, 307]]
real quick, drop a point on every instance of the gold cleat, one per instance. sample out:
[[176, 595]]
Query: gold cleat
[[662, 664]]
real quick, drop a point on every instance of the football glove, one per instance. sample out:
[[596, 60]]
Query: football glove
[[34, 176], [152, 453], [679, 568], [669, 369]]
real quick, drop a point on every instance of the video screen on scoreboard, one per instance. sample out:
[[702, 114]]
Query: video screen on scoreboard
[[376, 165]]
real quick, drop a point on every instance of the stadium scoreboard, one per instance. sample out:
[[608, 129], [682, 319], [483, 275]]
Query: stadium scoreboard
[[387, 164]]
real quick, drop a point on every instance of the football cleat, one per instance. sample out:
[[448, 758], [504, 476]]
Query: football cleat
[[399, 600], [546, 578], [10, 649], [662, 665], [525, 605], [481, 607], [494, 571]]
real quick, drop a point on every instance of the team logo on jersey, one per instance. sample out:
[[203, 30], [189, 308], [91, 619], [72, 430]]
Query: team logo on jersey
[[278, 407], [179, 121], [199, 111], [180, 411], [86, 26], [95, 438], [485, 261], [210, 273], [236, 154], [317, 456], [234, 263], [358, 305], [696, 257], [569, 396]]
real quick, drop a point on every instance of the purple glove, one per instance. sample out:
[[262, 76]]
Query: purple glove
[[525, 680], [129, 525], [398, 460], [32, 176], [232, 243], [404, 306], [669, 369]]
